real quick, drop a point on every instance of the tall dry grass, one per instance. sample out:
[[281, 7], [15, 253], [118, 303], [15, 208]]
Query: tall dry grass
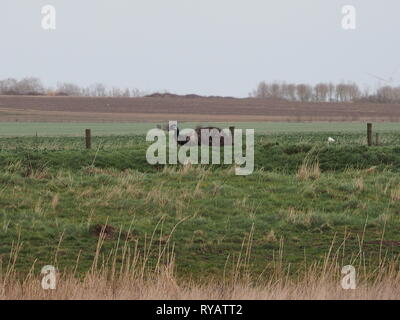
[[166, 287], [309, 169], [135, 278]]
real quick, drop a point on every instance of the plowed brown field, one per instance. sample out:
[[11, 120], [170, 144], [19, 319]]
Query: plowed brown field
[[86, 109]]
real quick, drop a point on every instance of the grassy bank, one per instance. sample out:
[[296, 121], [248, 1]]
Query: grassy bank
[[124, 153], [207, 215], [304, 195]]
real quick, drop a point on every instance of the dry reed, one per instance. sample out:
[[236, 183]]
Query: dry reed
[[137, 279]]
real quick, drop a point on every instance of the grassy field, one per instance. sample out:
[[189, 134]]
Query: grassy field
[[57, 199], [49, 129]]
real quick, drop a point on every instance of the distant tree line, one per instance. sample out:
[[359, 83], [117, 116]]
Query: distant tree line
[[321, 92], [325, 92], [34, 86]]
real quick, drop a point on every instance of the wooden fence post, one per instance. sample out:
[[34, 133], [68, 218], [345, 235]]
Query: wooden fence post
[[88, 135], [369, 134], [377, 139]]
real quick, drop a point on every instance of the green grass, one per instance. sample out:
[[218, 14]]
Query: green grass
[[15, 129], [52, 189], [282, 153], [219, 211]]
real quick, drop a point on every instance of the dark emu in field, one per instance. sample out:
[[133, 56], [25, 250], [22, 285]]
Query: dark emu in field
[[225, 139]]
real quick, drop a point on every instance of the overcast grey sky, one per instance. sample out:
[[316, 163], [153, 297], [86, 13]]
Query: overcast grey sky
[[211, 47]]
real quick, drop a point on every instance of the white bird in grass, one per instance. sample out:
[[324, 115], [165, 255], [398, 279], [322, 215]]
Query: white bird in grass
[[330, 139]]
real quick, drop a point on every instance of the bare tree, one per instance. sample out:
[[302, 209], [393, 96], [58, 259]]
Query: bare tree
[[29, 86], [275, 90], [126, 93], [388, 94], [262, 91], [341, 92], [354, 92], [321, 92], [69, 89], [116, 92], [304, 92], [291, 88], [136, 93], [331, 92], [8, 86], [99, 90]]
